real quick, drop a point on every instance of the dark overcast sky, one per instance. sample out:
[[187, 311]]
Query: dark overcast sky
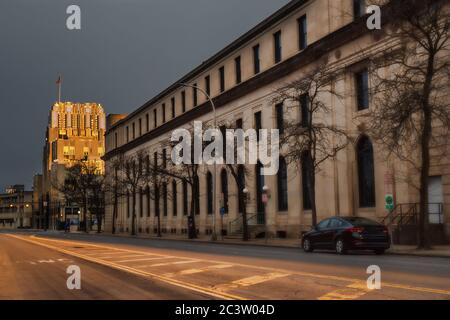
[[126, 52]]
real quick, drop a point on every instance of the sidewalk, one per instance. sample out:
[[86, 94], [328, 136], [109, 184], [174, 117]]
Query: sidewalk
[[442, 251]]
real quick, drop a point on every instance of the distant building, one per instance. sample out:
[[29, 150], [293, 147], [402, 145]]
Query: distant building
[[38, 216], [16, 208], [75, 132]]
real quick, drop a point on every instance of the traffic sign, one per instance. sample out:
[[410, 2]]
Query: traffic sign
[[389, 199]]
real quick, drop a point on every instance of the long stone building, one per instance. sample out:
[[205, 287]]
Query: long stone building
[[242, 79]]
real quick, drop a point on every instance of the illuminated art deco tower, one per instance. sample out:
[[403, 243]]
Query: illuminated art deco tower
[[75, 132]]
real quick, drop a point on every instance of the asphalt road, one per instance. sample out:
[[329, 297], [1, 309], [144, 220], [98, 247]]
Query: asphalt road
[[126, 268]]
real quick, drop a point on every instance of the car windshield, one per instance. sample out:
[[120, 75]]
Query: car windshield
[[358, 221]]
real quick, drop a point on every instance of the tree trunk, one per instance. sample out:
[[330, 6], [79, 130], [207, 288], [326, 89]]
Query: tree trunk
[[423, 241], [312, 195], [99, 223], [158, 219]]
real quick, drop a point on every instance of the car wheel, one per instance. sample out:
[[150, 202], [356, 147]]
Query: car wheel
[[379, 251], [340, 247], [307, 246]]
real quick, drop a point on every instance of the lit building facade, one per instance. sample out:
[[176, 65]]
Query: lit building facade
[[242, 79], [75, 132]]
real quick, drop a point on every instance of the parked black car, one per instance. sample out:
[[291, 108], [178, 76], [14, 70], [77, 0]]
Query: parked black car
[[347, 233]]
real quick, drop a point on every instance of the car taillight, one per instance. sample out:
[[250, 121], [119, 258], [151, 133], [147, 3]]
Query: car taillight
[[355, 230]]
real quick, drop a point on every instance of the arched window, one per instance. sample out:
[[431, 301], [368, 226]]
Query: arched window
[[282, 186], [185, 198], [224, 182], [174, 199], [366, 176], [241, 185], [261, 215], [306, 163], [196, 195], [148, 197], [209, 192], [164, 192]]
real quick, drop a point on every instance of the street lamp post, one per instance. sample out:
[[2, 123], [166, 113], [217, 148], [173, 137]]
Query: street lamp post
[[214, 234], [265, 199]]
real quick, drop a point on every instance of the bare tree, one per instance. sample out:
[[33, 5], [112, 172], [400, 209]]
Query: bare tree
[[130, 178], [84, 185], [312, 140], [411, 83], [238, 171]]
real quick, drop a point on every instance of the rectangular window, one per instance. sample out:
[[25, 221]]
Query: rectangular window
[[237, 64], [141, 203], [304, 109], [359, 8], [128, 133], [148, 201], [277, 44], [280, 117], [185, 198], [256, 60], [134, 131], [362, 89], [208, 85], [163, 112], [164, 158], [302, 33], [194, 95], [222, 79], [258, 124], [183, 101], [155, 118], [115, 139], [147, 122], [140, 127], [172, 102]]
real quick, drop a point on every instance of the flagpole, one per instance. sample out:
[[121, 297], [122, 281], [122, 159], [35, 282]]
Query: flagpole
[[59, 88]]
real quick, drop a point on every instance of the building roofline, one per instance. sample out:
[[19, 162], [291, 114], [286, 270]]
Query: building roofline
[[245, 38]]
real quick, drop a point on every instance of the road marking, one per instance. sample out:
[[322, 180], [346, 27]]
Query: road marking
[[124, 257], [168, 263], [351, 292], [135, 260], [304, 274], [250, 281], [194, 271], [178, 283]]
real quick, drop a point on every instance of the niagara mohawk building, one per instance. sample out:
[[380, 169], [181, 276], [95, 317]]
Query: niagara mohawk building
[[242, 79]]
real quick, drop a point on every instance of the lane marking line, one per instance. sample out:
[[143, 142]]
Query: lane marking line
[[168, 263], [194, 271], [250, 281], [136, 260], [148, 275], [303, 274]]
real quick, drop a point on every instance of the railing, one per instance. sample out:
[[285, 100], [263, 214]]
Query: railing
[[408, 213]]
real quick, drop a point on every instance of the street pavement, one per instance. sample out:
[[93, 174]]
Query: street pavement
[[128, 268]]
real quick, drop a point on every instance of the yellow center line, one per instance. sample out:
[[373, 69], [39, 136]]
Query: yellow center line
[[182, 284], [304, 274]]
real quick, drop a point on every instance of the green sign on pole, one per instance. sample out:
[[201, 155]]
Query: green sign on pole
[[389, 199]]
